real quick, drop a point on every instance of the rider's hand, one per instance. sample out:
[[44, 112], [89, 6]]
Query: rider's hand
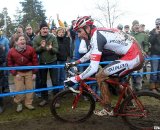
[[69, 65], [69, 83]]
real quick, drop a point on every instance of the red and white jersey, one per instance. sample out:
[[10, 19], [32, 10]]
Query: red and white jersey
[[109, 39]]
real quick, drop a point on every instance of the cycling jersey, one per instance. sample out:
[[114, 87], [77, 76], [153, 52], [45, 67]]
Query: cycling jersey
[[116, 41]]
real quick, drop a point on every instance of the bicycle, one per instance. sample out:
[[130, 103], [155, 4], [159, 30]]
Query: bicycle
[[140, 110]]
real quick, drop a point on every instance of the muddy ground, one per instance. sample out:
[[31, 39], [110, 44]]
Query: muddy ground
[[49, 123]]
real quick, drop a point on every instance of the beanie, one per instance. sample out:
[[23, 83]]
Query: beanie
[[126, 26], [135, 22], [120, 26], [53, 28], [43, 24]]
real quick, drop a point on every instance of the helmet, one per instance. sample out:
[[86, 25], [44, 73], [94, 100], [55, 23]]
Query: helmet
[[83, 21]]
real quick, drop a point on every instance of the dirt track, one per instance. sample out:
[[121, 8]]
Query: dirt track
[[49, 123]]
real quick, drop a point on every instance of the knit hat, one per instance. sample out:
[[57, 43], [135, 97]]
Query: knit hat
[[126, 26], [53, 28], [135, 22], [43, 24], [120, 26]]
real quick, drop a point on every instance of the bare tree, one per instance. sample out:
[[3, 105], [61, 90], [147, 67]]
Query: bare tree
[[109, 11]]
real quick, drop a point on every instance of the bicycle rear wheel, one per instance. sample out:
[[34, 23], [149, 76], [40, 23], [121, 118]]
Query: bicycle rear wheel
[[65, 112], [135, 118]]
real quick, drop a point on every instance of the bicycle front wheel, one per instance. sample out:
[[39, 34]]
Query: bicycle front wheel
[[145, 116], [64, 108]]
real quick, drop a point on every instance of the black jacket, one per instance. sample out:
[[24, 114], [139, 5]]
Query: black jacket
[[2, 55], [64, 48], [154, 40]]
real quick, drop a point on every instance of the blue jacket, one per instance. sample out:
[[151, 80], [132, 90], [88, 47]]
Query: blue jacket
[[5, 43]]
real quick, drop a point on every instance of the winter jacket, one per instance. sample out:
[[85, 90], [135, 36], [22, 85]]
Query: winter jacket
[[64, 48], [142, 39], [154, 40], [46, 56], [25, 58], [5, 43]]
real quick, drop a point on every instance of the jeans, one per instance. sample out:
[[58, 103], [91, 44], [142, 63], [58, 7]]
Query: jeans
[[53, 76], [1, 87], [61, 73], [5, 79], [137, 80], [155, 66]]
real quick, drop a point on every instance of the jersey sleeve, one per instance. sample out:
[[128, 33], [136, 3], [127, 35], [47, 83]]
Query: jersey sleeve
[[95, 56]]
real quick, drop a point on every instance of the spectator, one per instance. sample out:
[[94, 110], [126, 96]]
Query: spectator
[[2, 60], [30, 34], [47, 48], [53, 30], [73, 37], [142, 28], [144, 44], [154, 40], [120, 27], [4, 42], [23, 55], [126, 29], [19, 31], [63, 52]]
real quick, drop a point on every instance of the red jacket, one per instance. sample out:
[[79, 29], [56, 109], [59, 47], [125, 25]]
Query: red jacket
[[26, 58]]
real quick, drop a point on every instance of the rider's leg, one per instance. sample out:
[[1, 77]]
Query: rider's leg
[[105, 93]]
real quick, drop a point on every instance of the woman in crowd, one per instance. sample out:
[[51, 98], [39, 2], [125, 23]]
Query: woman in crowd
[[23, 55]]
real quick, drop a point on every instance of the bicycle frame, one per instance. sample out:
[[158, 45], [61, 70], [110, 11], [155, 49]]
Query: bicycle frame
[[125, 87]]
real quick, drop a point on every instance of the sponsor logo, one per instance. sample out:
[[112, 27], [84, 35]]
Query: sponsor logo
[[122, 42], [117, 67], [95, 57]]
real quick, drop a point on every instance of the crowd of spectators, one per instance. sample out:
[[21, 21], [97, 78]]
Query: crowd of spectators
[[56, 46]]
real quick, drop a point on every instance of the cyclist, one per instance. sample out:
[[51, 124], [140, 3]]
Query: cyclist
[[131, 57]]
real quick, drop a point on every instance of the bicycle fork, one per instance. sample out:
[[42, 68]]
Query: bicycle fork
[[76, 99]]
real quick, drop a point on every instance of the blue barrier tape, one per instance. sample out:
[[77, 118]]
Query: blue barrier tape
[[37, 90], [57, 66]]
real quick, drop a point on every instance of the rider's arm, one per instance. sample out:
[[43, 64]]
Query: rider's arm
[[93, 67]]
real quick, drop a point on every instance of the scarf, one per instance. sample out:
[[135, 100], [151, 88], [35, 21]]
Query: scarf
[[20, 48]]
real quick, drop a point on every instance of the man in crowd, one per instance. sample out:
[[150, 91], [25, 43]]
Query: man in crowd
[[4, 42], [154, 40], [143, 42], [46, 47]]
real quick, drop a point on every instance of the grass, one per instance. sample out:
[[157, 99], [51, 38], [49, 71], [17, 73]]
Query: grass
[[10, 113]]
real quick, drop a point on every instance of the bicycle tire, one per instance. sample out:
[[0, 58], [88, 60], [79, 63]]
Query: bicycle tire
[[151, 103], [83, 110]]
